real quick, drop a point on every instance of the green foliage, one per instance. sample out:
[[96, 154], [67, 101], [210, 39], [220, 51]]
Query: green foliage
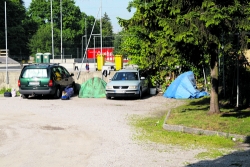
[[16, 31], [41, 41], [188, 34], [74, 24], [107, 29], [5, 90]]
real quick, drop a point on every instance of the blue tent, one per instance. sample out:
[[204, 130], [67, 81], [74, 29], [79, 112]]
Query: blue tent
[[184, 87]]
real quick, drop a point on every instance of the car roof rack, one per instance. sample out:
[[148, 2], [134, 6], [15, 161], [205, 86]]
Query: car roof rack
[[54, 64], [44, 64], [131, 67]]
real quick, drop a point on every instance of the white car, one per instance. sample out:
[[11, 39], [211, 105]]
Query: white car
[[127, 83]]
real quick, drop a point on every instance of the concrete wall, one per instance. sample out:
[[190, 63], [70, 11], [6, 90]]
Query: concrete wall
[[83, 76]]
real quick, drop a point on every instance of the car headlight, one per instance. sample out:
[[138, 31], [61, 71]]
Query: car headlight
[[133, 87], [109, 87]]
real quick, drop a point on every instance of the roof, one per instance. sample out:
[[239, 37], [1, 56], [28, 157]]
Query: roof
[[128, 70], [42, 65]]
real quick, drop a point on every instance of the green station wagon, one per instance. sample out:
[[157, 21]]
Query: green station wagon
[[44, 79]]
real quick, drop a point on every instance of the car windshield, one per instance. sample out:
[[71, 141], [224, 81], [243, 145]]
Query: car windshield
[[35, 73], [125, 76]]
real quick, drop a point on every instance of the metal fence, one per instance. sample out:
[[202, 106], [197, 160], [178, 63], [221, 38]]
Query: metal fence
[[94, 42], [78, 52]]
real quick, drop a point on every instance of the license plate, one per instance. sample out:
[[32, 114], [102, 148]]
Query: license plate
[[120, 91], [33, 83]]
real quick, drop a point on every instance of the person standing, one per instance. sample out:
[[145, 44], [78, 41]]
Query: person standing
[[87, 66]]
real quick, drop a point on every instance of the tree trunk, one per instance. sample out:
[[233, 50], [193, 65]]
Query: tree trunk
[[214, 99]]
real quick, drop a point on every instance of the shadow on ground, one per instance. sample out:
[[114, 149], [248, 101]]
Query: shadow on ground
[[235, 159]]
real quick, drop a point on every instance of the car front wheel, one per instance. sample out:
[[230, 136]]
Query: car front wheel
[[140, 94], [74, 88], [108, 97]]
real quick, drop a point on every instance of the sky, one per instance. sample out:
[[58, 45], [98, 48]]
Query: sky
[[113, 8]]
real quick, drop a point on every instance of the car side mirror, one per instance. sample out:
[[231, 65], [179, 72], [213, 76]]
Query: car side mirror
[[142, 78], [72, 74]]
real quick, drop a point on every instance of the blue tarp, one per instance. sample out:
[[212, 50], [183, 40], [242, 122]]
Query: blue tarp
[[184, 87]]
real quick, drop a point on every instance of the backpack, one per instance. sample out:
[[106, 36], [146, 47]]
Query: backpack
[[67, 93], [7, 94]]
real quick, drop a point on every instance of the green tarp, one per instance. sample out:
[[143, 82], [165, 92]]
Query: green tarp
[[93, 88]]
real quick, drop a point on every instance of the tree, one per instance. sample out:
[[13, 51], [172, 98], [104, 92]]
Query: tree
[[41, 40], [86, 24], [119, 38], [40, 12], [107, 31], [149, 45], [170, 33], [15, 27]]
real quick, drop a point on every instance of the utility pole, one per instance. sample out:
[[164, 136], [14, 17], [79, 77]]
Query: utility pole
[[61, 26], [52, 38], [101, 26], [85, 34], [7, 77]]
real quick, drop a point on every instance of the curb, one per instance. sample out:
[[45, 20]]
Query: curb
[[180, 128]]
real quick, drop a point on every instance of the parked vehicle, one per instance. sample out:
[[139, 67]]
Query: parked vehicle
[[44, 79], [127, 83]]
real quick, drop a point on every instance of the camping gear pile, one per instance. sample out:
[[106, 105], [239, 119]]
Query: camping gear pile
[[67, 93], [10, 94]]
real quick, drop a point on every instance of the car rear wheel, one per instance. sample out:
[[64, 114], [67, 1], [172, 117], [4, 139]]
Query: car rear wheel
[[57, 94], [24, 96]]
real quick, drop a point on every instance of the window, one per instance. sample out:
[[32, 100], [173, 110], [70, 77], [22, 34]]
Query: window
[[125, 76], [35, 73]]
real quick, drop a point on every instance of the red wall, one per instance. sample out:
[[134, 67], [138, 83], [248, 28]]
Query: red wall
[[108, 52]]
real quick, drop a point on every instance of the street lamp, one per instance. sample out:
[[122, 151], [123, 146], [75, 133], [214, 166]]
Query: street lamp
[[82, 44]]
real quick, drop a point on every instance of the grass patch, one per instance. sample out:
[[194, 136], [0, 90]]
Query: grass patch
[[150, 129], [212, 153], [194, 114], [5, 90]]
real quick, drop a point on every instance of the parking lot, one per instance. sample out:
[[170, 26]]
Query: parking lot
[[76, 132], [83, 132]]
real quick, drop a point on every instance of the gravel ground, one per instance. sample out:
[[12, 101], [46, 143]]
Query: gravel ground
[[89, 133]]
